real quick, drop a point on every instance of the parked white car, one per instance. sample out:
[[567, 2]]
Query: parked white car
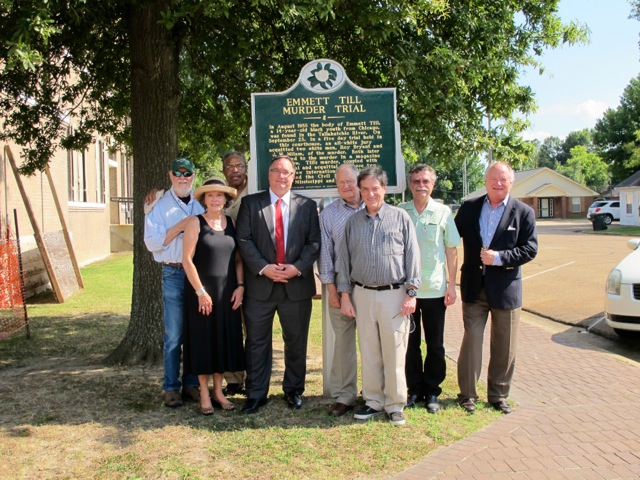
[[609, 208], [622, 296]]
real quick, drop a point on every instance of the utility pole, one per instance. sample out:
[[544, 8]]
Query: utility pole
[[465, 183], [489, 129]]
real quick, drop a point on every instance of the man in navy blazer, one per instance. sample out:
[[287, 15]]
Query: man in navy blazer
[[285, 287], [499, 235]]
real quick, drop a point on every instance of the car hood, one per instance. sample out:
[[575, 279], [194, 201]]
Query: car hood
[[630, 267]]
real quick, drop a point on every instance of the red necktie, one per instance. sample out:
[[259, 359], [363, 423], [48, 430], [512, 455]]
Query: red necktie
[[280, 255]]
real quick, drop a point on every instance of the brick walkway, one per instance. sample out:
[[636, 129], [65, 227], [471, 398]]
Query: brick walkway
[[577, 415]]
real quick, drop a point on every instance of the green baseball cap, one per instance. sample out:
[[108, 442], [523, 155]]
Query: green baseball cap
[[183, 163]]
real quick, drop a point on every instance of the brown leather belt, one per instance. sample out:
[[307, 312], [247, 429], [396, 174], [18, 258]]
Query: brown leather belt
[[172, 265]]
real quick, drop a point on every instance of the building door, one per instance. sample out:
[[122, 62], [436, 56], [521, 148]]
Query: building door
[[545, 208]]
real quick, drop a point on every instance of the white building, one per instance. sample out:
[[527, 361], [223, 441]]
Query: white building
[[629, 193]]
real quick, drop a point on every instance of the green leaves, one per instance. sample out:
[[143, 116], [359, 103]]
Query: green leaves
[[615, 133], [586, 168], [454, 64], [28, 31]]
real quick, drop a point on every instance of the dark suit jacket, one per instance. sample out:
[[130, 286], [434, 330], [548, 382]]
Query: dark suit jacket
[[516, 240], [257, 245]]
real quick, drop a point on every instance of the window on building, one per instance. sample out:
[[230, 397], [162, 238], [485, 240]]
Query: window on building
[[126, 171], [576, 204], [100, 172], [70, 175], [77, 173]]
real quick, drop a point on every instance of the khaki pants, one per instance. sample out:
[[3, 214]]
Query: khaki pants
[[383, 334], [343, 378]]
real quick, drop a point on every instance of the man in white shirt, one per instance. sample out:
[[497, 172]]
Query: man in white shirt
[[163, 229]]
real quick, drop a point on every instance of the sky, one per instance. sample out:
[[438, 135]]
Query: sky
[[580, 82]]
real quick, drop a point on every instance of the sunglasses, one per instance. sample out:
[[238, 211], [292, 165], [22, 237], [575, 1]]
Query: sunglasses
[[178, 174]]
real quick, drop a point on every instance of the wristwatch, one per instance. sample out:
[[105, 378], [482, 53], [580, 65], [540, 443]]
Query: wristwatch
[[412, 292]]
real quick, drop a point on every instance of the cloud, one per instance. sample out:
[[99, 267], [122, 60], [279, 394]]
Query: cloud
[[589, 110], [560, 118], [540, 135]]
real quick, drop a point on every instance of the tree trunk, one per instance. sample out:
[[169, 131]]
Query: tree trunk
[[155, 101]]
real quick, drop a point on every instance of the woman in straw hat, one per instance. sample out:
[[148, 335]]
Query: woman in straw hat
[[213, 294]]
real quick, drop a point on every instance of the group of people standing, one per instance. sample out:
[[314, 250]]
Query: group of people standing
[[231, 258]]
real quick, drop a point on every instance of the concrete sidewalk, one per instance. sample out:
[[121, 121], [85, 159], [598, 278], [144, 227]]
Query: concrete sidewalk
[[577, 414]]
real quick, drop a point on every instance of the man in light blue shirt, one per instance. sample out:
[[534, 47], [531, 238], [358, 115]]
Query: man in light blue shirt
[[163, 229], [438, 239]]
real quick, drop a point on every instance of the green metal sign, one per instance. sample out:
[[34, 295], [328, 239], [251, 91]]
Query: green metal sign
[[322, 121]]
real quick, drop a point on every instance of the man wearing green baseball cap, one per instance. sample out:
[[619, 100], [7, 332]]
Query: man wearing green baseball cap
[[185, 163]]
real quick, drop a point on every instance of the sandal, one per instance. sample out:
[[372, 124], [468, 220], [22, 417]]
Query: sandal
[[226, 405], [206, 410]]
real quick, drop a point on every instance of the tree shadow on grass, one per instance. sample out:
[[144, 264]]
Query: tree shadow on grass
[[61, 371], [99, 421]]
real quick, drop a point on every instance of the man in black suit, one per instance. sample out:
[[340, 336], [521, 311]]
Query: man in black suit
[[499, 235], [284, 285]]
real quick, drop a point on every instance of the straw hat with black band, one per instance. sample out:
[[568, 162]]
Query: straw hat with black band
[[215, 184]]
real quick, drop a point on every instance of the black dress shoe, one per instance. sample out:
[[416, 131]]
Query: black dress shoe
[[294, 400], [469, 404], [502, 406], [413, 400], [431, 403], [252, 405]]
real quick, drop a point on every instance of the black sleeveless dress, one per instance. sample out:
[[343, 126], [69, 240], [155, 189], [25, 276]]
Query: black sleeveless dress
[[213, 343]]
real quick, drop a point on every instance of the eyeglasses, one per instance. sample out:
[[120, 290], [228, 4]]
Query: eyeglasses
[[177, 173], [346, 183], [412, 323], [238, 166], [281, 173], [421, 182]]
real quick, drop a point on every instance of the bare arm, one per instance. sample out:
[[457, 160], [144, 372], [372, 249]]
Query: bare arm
[[151, 198], [452, 267], [238, 293], [346, 307], [334, 296], [205, 304], [177, 229], [152, 195]]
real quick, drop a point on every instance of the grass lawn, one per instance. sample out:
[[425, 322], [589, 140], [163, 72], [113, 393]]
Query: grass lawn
[[620, 230], [67, 415]]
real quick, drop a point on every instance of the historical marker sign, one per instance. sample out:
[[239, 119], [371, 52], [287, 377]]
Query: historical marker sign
[[322, 121]]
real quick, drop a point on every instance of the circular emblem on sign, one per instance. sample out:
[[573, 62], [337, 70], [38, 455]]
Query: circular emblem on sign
[[322, 76]]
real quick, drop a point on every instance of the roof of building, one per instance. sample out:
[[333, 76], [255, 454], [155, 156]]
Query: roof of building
[[632, 181]]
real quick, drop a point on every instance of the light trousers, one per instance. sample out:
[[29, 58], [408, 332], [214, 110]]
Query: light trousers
[[383, 334], [343, 378]]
